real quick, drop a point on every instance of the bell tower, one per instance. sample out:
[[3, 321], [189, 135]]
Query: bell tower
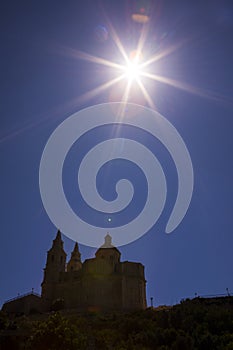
[[75, 263], [55, 264]]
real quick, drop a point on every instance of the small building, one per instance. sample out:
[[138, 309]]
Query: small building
[[25, 304]]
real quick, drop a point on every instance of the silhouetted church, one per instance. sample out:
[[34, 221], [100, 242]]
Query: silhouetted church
[[103, 283]]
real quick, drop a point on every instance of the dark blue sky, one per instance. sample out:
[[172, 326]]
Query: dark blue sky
[[40, 84]]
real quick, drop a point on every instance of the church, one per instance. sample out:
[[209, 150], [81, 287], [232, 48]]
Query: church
[[100, 284]]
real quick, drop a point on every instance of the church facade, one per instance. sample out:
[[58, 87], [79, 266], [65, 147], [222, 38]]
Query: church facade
[[100, 283], [103, 283]]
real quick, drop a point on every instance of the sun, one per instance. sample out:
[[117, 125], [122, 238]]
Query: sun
[[133, 69]]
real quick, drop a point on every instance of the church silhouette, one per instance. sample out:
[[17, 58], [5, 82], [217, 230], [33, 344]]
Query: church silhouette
[[99, 284]]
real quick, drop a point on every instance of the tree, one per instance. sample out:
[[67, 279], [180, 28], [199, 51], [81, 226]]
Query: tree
[[55, 333]]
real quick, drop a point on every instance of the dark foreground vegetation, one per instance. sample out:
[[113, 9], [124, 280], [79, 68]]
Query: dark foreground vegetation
[[193, 324]]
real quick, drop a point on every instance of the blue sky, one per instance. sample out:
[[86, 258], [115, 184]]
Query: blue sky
[[40, 86]]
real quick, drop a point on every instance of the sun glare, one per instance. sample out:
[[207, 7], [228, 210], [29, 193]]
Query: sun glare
[[132, 71]]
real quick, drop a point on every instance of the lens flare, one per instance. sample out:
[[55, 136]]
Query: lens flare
[[70, 131]]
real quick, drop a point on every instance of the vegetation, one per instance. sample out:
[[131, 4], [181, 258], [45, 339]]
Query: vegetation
[[193, 324]]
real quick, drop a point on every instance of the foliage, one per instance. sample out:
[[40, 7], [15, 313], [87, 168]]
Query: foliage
[[192, 325], [3, 320], [55, 333]]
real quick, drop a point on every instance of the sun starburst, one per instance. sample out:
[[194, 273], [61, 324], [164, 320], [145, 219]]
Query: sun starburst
[[130, 70], [134, 71]]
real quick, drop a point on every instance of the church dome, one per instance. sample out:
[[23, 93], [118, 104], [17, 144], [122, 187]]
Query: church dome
[[108, 251]]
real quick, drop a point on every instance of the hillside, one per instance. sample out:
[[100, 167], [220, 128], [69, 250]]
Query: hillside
[[194, 324]]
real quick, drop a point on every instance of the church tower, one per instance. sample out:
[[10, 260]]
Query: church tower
[[75, 263], [55, 264]]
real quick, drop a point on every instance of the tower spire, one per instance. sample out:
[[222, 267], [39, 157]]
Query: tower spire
[[58, 242], [75, 263], [55, 265], [58, 236], [76, 249]]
